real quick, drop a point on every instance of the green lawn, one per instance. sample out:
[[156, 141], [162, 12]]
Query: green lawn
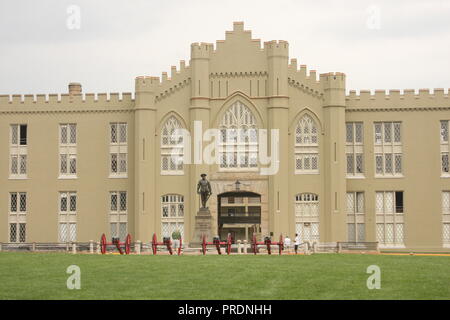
[[320, 276]]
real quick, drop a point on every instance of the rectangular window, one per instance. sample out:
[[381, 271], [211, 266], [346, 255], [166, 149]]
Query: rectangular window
[[18, 151], [68, 150], [118, 150], [446, 218], [355, 149], [389, 208], [67, 228], [355, 217], [17, 218], [388, 149], [118, 215], [445, 148]]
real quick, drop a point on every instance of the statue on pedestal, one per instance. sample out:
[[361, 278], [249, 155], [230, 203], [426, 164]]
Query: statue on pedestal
[[204, 189]]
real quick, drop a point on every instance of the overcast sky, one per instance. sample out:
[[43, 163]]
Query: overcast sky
[[378, 44]]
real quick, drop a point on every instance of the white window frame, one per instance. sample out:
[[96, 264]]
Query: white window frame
[[68, 151], [118, 214], [354, 149], [172, 148], [446, 219], [389, 216], [172, 214], [307, 215], [18, 152], [238, 140], [445, 148], [306, 153], [387, 149], [118, 150], [356, 216], [67, 216], [17, 216]]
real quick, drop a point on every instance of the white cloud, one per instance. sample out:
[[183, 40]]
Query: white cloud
[[119, 40]]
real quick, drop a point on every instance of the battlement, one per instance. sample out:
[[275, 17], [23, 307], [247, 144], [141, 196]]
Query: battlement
[[333, 80], [395, 98], [201, 50], [299, 77], [277, 48], [114, 98]]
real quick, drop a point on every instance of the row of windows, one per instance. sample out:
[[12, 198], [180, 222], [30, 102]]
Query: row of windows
[[389, 211], [388, 156], [68, 150]]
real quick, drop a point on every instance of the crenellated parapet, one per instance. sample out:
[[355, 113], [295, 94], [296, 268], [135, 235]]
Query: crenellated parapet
[[301, 79], [396, 99], [66, 102]]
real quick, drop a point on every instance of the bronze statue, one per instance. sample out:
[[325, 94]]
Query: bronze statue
[[204, 189]]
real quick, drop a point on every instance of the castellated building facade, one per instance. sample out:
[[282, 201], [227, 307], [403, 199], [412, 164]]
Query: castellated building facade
[[367, 167]]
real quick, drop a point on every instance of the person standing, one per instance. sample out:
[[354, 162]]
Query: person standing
[[297, 242], [287, 244]]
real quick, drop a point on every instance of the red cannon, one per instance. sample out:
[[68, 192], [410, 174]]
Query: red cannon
[[116, 242], [268, 243], [217, 243], [167, 243]]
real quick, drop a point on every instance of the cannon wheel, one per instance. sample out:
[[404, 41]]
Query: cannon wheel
[[181, 244], [254, 244], [128, 244], [229, 244], [204, 244], [154, 245], [103, 244], [281, 244]]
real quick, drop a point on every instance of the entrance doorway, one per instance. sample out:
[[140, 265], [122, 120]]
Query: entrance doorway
[[239, 214]]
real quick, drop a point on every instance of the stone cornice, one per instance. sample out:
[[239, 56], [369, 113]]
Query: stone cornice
[[396, 109], [67, 111]]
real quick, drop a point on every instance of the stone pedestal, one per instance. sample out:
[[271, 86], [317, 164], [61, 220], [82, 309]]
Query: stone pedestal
[[203, 226]]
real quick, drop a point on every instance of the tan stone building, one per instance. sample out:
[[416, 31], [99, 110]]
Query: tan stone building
[[356, 167]]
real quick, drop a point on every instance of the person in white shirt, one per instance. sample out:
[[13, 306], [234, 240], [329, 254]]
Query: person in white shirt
[[287, 244], [297, 242]]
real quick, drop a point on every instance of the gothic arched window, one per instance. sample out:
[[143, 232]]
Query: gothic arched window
[[306, 146], [238, 139], [171, 147]]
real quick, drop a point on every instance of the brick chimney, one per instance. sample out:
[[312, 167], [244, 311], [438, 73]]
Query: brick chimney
[[74, 88]]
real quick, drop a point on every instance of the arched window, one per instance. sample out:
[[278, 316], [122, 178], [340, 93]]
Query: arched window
[[239, 139], [307, 216], [171, 147], [306, 146], [172, 214]]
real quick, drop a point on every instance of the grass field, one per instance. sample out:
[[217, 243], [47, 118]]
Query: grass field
[[320, 276]]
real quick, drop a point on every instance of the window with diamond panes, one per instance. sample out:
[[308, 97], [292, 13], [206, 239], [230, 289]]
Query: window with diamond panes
[[172, 214], [306, 146], [307, 217], [17, 216], [18, 151], [238, 140], [445, 147], [118, 214], [446, 218], [389, 218], [355, 217], [354, 149], [388, 149], [118, 150], [67, 216], [172, 147], [68, 150]]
